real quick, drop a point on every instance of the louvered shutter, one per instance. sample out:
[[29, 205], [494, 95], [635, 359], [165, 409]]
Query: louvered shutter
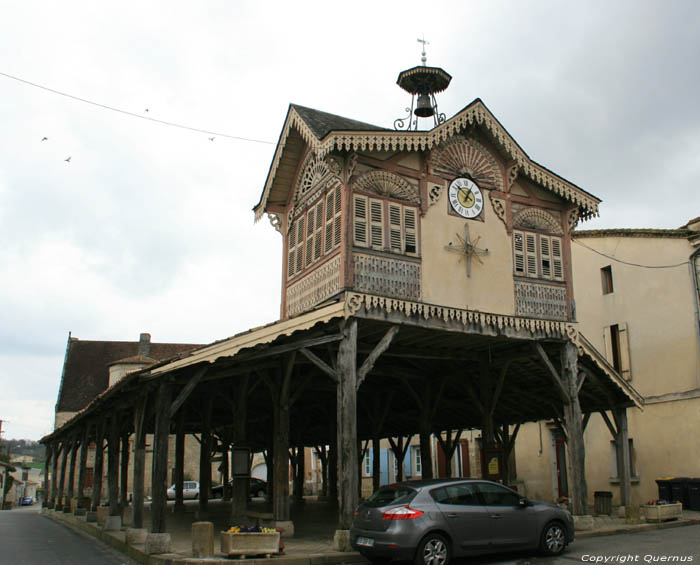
[[318, 237], [291, 246], [360, 220], [337, 219], [395, 239], [376, 224], [545, 257], [519, 252], [328, 239], [411, 236], [310, 216], [531, 254], [557, 261], [625, 368], [300, 245]]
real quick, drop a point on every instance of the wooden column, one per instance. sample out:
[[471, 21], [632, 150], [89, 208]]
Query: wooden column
[[82, 464], [124, 468], [139, 461], [66, 448], [205, 457], [159, 474], [179, 478], [376, 462], [574, 427], [241, 485], [99, 465], [622, 449], [333, 456], [71, 472], [280, 440], [225, 469], [47, 503], [113, 465], [348, 464]]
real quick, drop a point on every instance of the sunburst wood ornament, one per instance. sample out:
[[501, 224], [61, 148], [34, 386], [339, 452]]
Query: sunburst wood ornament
[[468, 249]]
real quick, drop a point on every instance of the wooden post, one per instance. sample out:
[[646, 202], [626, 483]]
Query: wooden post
[[159, 474], [46, 503], [348, 477], [333, 457], [376, 463], [574, 427], [139, 461], [99, 465], [225, 470], [66, 448], [280, 449], [622, 449], [241, 485], [54, 476], [205, 457], [71, 472], [124, 476], [82, 464], [179, 478], [113, 465]]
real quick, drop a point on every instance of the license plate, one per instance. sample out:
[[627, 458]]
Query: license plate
[[368, 542]]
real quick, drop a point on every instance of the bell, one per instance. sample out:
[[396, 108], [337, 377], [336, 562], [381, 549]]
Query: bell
[[424, 108]]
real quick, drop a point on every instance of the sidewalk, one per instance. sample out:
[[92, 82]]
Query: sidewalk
[[315, 523]]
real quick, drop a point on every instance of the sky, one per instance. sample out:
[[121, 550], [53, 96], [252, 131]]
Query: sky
[[149, 227]]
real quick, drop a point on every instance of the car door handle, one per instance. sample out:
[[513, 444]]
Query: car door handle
[[496, 516]]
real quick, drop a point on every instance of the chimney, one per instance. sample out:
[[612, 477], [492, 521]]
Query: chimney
[[145, 345]]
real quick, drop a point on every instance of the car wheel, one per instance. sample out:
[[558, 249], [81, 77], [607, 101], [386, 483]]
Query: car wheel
[[553, 540], [432, 550], [260, 493]]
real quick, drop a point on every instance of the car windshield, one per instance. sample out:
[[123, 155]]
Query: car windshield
[[391, 494]]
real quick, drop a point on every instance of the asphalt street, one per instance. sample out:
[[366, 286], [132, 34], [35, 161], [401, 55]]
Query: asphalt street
[[666, 546], [28, 538]]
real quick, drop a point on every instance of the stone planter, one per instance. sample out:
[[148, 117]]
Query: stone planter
[[663, 512], [250, 543]]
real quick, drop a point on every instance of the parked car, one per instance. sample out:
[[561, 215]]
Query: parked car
[[257, 488], [26, 501], [430, 522], [190, 489]]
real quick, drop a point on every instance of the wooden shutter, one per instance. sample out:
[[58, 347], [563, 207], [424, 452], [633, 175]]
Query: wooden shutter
[[310, 216], [395, 239], [376, 217], [328, 239], [318, 236], [360, 221], [557, 261], [625, 365], [338, 216], [519, 252], [291, 246], [530, 254], [300, 245], [410, 235], [545, 257]]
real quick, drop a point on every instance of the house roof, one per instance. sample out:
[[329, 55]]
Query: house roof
[[307, 130], [86, 367]]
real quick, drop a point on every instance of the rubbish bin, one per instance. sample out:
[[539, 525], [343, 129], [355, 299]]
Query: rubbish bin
[[679, 490], [694, 494], [602, 502], [664, 485]]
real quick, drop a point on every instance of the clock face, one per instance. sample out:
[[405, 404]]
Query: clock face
[[465, 198]]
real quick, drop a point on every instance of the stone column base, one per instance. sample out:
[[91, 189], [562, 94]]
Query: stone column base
[[91, 516], [202, 539], [136, 535], [127, 516], [112, 523], [80, 511], [287, 527], [158, 543], [102, 513], [341, 540]]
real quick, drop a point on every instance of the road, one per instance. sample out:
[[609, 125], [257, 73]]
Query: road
[[28, 538], [654, 547]]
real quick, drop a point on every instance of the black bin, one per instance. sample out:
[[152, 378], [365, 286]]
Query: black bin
[[679, 490], [602, 502], [664, 489], [693, 494]]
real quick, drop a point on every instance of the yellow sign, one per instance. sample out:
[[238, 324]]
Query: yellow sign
[[493, 466]]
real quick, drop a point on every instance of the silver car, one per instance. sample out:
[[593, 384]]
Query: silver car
[[432, 521]]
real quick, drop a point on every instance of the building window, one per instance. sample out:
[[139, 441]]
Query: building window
[[537, 256], [367, 465], [417, 461], [314, 233], [607, 280], [614, 473], [385, 226], [617, 348]]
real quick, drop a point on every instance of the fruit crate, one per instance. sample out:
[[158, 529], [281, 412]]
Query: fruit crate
[[243, 544], [662, 512]]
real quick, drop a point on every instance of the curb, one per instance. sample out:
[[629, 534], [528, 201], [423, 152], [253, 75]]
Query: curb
[[135, 553], [633, 528]]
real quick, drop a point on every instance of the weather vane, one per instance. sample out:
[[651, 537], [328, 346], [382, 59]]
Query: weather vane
[[423, 58]]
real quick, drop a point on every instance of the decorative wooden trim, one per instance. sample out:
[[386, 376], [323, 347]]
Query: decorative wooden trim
[[387, 184], [461, 156], [320, 284], [499, 207], [537, 219]]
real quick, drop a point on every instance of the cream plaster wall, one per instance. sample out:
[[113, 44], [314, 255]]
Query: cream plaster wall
[[444, 278]]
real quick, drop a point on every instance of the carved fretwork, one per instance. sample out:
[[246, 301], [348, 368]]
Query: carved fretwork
[[387, 276], [388, 184], [536, 300], [536, 219], [313, 289], [463, 156]]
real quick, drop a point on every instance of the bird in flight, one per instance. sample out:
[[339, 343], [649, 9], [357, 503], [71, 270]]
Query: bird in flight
[[146, 110], [67, 160], [44, 138], [211, 139]]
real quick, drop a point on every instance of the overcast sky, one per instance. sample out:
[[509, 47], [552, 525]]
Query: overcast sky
[[149, 228]]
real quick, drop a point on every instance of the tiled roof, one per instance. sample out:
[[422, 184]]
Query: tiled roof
[[321, 123], [86, 367]]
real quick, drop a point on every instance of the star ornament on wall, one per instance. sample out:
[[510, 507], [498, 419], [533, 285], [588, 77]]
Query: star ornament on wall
[[468, 249]]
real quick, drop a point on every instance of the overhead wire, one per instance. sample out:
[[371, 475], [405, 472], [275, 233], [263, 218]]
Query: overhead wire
[[628, 262], [132, 114]]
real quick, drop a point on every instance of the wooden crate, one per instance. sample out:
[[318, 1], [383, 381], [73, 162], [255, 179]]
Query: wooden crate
[[249, 543], [663, 512]]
